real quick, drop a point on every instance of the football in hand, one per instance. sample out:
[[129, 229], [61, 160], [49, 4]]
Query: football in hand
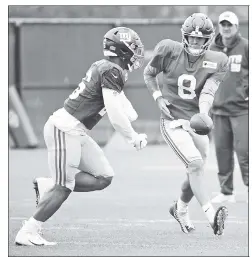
[[201, 123]]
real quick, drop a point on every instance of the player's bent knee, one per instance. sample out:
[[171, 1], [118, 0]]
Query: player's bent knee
[[195, 166], [63, 192], [103, 182]]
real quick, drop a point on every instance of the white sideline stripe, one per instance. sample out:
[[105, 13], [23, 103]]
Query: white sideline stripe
[[103, 222]]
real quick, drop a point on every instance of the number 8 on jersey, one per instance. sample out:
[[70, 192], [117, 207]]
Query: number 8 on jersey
[[190, 89]]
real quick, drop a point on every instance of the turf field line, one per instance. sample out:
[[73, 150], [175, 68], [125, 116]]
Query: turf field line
[[235, 193], [171, 167], [120, 244], [102, 222], [131, 220], [110, 244], [125, 224], [17, 218]]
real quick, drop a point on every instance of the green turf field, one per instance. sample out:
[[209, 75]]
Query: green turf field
[[130, 217]]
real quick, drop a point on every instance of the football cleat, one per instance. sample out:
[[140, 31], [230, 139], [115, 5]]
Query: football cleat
[[41, 186], [182, 218], [29, 237], [35, 186], [220, 198], [219, 220]]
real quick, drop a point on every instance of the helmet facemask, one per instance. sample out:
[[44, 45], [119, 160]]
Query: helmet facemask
[[197, 25], [136, 61], [190, 49]]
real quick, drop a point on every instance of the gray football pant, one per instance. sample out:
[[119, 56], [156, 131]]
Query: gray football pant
[[231, 135], [68, 154]]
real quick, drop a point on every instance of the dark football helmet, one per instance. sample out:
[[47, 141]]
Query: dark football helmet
[[197, 25], [126, 44]]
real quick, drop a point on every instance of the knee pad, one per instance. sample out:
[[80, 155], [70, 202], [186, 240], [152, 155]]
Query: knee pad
[[104, 182], [195, 166]]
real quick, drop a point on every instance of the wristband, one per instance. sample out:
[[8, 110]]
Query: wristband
[[156, 94]]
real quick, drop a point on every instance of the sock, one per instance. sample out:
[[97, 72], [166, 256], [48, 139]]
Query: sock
[[209, 212], [33, 224], [47, 183], [182, 206]]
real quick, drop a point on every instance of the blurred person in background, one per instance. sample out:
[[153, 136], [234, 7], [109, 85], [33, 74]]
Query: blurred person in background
[[230, 107], [191, 76], [75, 160]]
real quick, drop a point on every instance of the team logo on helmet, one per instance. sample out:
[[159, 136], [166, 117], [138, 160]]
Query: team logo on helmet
[[125, 36], [126, 44]]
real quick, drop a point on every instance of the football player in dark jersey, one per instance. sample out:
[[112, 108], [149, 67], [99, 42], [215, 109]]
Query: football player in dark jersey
[[191, 76], [75, 160]]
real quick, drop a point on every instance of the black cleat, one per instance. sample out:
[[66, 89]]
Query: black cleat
[[35, 186], [219, 220]]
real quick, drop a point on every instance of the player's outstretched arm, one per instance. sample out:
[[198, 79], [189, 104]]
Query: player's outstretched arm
[[127, 107], [120, 121], [206, 97]]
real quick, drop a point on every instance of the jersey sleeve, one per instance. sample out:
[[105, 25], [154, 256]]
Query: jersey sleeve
[[161, 55], [220, 75], [112, 79]]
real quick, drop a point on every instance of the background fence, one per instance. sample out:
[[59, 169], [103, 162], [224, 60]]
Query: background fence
[[48, 58]]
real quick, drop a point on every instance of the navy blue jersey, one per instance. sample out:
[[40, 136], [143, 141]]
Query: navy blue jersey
[[182, 84], [86, 102], [231, 95]]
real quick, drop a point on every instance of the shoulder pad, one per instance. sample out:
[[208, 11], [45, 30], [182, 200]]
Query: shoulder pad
[[216, 56], [113, 78], [105, 65], [115, 73], [165, 51], [167, 46]]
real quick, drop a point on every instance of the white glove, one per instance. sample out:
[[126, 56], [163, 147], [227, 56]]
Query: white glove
[[140, 141]]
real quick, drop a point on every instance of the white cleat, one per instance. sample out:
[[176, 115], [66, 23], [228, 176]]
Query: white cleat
[[41, 186], [220, 198], [31, 238]]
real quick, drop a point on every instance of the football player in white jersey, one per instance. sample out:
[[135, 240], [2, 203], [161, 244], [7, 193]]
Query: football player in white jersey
[[75, 160]]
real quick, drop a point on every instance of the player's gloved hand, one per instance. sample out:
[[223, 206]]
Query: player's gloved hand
[[139, 141], [163, 106]]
